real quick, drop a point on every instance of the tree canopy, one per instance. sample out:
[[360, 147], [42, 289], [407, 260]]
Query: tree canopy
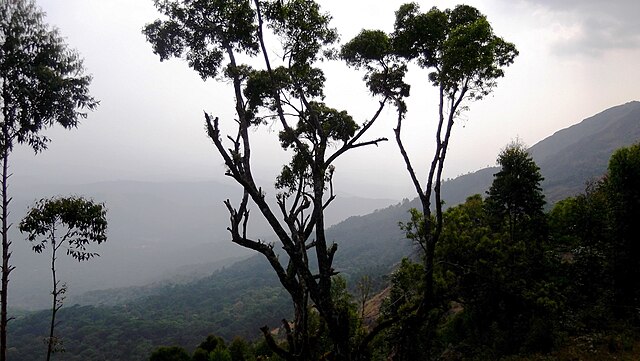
[[81, 221], [515, 196], [43, 80]]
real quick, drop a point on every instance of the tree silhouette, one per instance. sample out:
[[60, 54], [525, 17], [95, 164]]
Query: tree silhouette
[[464, 59], [515, 198], [288, 93], [622, 182]]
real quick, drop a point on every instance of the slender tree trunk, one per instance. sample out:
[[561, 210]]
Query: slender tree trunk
[[6, 268], [54, 305]]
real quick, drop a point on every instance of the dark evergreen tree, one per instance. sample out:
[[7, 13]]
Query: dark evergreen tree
[[624, 188], [515, 214], [492, 265], [515, 202]]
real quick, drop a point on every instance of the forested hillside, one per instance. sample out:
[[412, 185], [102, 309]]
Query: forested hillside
[[233, 302]]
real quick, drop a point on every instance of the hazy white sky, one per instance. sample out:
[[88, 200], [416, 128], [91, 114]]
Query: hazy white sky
[[577, 58]]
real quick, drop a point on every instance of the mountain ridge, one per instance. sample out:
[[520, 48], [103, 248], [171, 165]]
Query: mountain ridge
[[566, 162]]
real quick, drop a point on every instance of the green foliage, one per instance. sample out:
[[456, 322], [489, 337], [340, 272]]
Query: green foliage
[[170, 353], [458, 44], [406, 281], [622, 182], [235, 301], [580, 233], [82, 221], [414, 229], [367, 47], [43, 80], [596, 234], [515, 201], [239, 349], [488, 268], [261, 85], [303, 28], [492, 295], [203, 34], [334, 125], [211, 343], [220, 353], [200, 355], [412, 337], [372, 50]]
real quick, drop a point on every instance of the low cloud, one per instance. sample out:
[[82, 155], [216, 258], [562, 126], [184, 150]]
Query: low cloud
[[602, 25]]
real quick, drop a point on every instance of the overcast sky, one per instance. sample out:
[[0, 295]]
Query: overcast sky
[[577, 58]]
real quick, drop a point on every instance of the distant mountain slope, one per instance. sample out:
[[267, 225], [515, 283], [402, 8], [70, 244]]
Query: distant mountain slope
[[568, 158], [581, 152], [620, 117]]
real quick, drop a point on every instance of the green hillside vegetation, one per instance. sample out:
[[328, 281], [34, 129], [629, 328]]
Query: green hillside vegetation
[[514, 282], [233, 302]]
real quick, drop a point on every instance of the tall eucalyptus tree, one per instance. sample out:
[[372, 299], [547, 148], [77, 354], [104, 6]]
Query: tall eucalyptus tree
[[464, 59], [43, 83]]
